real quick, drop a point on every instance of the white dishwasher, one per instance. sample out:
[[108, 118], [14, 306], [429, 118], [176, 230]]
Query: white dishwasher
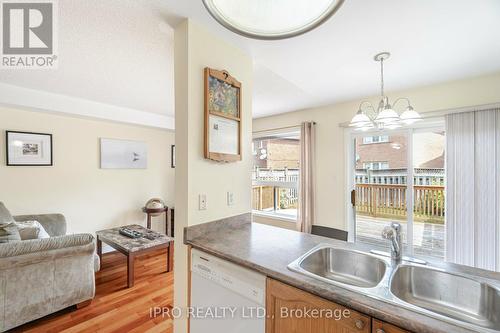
[[225, 298]]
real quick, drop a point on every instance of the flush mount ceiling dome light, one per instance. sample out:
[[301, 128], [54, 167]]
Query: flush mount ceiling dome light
[[384, 116], [271, 19]]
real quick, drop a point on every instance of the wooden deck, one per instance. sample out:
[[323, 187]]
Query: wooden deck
[[428, 238], [115, 307]]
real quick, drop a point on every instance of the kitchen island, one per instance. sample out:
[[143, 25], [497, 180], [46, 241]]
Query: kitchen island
[[269, 250]]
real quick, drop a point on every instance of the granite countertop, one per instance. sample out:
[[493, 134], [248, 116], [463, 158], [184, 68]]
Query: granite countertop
[[269, 250]]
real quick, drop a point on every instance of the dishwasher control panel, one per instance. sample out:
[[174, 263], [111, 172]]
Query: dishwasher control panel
[[245, 282]]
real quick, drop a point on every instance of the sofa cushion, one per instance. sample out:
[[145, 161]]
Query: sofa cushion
[[9, 233], [31, 230], [63, 243], [97, 263], [54, 224], [5, 217]]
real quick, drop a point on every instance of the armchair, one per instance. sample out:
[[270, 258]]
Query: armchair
[[42, 276]]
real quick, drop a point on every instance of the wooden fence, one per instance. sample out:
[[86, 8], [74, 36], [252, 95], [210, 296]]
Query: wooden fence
[[267, 197], [384, 200]]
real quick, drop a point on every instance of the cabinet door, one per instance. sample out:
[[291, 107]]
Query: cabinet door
[[291, 310], [382, 327]]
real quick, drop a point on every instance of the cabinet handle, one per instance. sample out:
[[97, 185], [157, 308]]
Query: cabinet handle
[[379, 330], [359, 324]]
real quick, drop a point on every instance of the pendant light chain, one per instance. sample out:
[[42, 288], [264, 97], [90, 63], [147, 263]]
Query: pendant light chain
[[382, 77], [383, 116]]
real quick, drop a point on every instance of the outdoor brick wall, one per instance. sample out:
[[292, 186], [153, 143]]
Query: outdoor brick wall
[[283, 153], [394, 152]]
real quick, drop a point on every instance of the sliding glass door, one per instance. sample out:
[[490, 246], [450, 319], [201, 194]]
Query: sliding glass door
[[381, 173], [428, 192], [399, 177]]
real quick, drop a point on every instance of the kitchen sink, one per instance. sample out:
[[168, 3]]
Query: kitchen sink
[[348, 267], [468, 301], [455, 296]]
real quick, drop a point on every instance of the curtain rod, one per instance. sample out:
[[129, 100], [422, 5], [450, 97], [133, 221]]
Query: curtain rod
[[281, 128]]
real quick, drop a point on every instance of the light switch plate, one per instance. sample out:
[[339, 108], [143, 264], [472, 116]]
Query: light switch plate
[[202, 202], [230, 198]]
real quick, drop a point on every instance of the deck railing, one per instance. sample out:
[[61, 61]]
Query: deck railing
[[274, 197], [390, 201], [278, 189], [275, 188]]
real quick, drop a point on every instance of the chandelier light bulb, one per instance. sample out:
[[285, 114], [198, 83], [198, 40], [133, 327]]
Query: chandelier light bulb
[[387, 116], [365, 128], [410, 116], [360, 119]]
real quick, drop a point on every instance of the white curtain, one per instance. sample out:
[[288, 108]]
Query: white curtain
[[473, 188], [305, 218]]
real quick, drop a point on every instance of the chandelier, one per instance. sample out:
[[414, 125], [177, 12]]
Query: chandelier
[[276, 19], [384, 116]]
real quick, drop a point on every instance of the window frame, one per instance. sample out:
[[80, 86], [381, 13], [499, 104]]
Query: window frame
[[275, 214], [384, 137], [379, 163], [350, 150]]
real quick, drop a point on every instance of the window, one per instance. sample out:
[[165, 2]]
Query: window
[[376, 165], [275, 175], [375, 139]]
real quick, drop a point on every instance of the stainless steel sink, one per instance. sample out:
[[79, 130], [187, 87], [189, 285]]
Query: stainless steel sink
[[344, 266], [472, 302], [455, 296]]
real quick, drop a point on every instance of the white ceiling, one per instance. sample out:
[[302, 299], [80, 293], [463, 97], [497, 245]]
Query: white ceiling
[[120, 53], [116, 52], [430, 41]]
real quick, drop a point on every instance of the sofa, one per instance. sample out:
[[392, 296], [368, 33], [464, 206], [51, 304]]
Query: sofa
[[42, 276]]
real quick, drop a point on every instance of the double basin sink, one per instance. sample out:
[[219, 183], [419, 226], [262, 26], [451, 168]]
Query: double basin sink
[[467, 301]]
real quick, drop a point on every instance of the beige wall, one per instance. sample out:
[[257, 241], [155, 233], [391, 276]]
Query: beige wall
[[196, 49], [275, 222], [91, 198], [330, 148]]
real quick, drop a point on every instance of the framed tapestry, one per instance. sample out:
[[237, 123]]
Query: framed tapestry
[[28, 148], [222, 116]]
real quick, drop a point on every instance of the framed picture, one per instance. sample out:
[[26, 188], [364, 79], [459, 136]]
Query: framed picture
[[28, 148], [222, 116], [172, 156], [123, 154]]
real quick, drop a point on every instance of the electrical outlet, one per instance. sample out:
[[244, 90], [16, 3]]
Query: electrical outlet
[[230, 198], [202, 202]]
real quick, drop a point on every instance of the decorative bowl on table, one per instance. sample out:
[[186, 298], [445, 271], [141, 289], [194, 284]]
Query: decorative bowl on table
[[155, 203]]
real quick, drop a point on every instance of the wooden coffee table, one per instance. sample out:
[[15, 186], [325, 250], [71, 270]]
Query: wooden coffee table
[[133, 247]]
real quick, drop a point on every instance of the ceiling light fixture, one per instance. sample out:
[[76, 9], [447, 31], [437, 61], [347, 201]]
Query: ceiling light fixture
[[384, 116], [277, 19]]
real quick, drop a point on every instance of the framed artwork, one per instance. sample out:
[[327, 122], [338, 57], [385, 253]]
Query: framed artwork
[[28, 148], [172, 156], [123, 154], [222, 116]]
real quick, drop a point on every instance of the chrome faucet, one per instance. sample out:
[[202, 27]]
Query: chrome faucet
[[393, 233]]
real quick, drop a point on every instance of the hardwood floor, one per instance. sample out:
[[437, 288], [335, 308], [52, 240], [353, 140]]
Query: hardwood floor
[[115, 307]]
